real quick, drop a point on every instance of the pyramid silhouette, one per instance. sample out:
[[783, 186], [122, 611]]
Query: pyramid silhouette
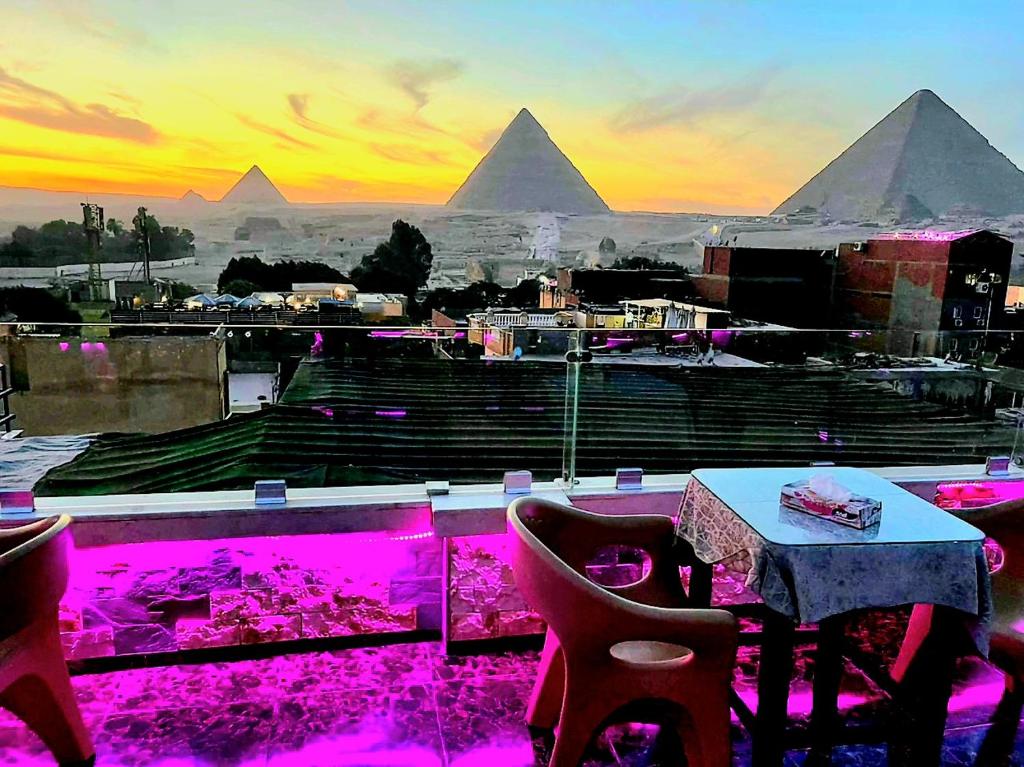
[[254, 188], [922, 160], [192, 197], [525, 171]]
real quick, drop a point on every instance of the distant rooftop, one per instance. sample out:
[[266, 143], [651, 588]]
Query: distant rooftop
[[928, 235]]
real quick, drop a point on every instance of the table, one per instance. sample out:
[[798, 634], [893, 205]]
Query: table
[[810, 570]]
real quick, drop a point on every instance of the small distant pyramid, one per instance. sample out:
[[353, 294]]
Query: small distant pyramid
[[922, 160], [254, 188], [193, 197], [525, 171]]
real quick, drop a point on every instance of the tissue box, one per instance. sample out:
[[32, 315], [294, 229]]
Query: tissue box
[[857, 511]]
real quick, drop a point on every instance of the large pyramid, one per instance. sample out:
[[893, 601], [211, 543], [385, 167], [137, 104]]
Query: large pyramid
[[254, 188], [922, 160], [526, 171]]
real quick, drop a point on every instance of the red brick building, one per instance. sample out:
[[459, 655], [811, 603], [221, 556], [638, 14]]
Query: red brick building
[[932, 291]]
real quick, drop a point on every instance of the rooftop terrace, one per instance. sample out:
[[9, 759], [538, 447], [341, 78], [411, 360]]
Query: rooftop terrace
[[372, 618]]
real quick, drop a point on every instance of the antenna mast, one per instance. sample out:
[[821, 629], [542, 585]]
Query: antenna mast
[[92, 225], [141, 222]]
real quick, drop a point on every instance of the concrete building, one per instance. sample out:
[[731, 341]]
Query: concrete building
[[609, 286], [308, 294], [660, 313], [376, 307], [501, 331], [785, 286], [150, 385], [934, 292], [589, 316]]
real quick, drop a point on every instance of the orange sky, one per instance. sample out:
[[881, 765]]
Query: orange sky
[[394, 101]]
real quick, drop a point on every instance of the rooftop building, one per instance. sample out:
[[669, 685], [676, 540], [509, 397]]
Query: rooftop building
[[917, 284]]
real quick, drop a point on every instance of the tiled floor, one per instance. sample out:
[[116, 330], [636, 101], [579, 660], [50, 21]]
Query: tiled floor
[[406, 705]]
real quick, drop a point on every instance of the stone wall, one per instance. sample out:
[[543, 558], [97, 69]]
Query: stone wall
[[170, 596], [75, 386], [483, 602]]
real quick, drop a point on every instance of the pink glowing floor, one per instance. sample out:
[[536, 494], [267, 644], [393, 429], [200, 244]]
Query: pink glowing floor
[[407, 706]]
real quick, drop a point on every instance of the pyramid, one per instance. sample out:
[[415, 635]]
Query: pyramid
[[254, 188], [525, 171], [922, 160], [192, 197]]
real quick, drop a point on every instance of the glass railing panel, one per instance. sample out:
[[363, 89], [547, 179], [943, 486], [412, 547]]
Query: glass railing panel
[[203, 404], [158, 405], [670, 401]]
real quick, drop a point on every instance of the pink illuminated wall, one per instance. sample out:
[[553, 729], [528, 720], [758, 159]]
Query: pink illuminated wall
[[483, 602], [971, 495], [169, 596]]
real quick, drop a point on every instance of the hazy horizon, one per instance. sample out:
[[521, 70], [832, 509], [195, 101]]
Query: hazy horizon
[[695, 107]]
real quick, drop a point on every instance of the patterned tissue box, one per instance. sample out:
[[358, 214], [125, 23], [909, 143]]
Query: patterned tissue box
[[855, 511]]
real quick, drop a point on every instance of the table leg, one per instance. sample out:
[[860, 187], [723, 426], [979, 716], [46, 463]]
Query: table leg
[[922, 695], [773, 677], [828, 670], [701, 576]]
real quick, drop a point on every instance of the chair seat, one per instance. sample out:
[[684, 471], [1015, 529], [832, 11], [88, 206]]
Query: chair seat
[[644, 653]]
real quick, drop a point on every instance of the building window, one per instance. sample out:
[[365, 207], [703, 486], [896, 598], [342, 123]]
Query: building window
[[977, 312]]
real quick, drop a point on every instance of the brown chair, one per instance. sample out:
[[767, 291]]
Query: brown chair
[[1004, 523], [613, 648], [34, 681]]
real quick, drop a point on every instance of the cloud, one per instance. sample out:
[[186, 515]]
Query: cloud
[[299, 104], [87, 18], [409, 154], [288, 141], [685, 106], [154, 171], [327, 188], [417, 78], [486, 140], [24, 102]]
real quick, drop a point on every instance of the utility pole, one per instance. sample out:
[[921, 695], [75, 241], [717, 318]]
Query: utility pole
[[92, 225], [141, 222]]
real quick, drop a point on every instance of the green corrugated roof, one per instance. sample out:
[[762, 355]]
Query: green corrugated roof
[[386, 421]]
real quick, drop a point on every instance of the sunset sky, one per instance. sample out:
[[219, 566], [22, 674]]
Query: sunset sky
[[715, 105]]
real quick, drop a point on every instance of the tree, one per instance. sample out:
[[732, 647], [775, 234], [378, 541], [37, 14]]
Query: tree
[[525, 294], [36, 305], [58, 243], [181, 290], [248, 268], [277, 277], [478, 296], [644, 262], [400, 265], [240, 288]]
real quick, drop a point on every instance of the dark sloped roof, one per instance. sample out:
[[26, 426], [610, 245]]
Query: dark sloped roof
[[391, 420]]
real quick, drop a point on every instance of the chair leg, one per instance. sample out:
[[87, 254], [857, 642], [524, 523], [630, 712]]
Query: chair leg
[[546, 701], [997, 747], [706, 734], [44, 699], [583, 712]]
